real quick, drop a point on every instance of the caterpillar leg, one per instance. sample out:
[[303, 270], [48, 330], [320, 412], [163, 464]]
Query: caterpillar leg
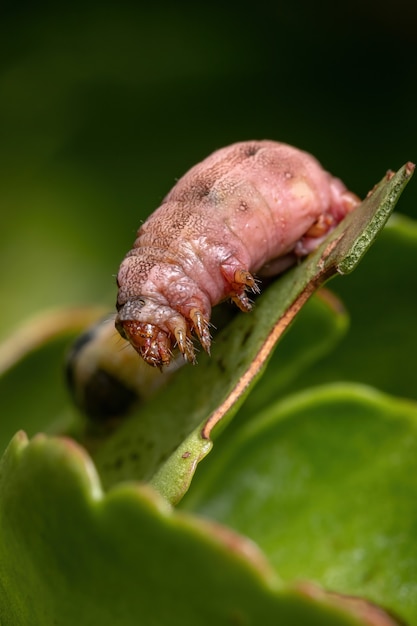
[[243, 277], [242, 301], [313, 237], [239, 281], [185, 344], [201, 327]]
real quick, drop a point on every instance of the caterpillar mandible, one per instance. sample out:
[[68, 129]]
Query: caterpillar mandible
[[252, 208]]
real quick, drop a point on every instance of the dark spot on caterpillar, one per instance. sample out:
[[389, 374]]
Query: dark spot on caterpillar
[[134, 456], [251, 149], [202, 188], [177, 225], [197, 190]]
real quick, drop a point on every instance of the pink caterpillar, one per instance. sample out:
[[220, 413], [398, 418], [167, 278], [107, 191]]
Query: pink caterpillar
[[254, 207]]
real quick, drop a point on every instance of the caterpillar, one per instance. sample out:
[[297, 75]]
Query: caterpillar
[[249, 210]]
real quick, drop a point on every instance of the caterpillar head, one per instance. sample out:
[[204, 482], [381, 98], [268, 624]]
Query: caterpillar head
[[153, 329]]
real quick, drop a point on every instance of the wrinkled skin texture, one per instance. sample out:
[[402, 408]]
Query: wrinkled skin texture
[[252, 208]]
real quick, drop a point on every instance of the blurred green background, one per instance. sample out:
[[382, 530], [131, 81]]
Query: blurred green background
[[104, 105]]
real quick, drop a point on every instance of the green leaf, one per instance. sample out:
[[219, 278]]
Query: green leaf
[[316, 332], [173, 432], [71, 555], [381, 297], [326, 483]]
